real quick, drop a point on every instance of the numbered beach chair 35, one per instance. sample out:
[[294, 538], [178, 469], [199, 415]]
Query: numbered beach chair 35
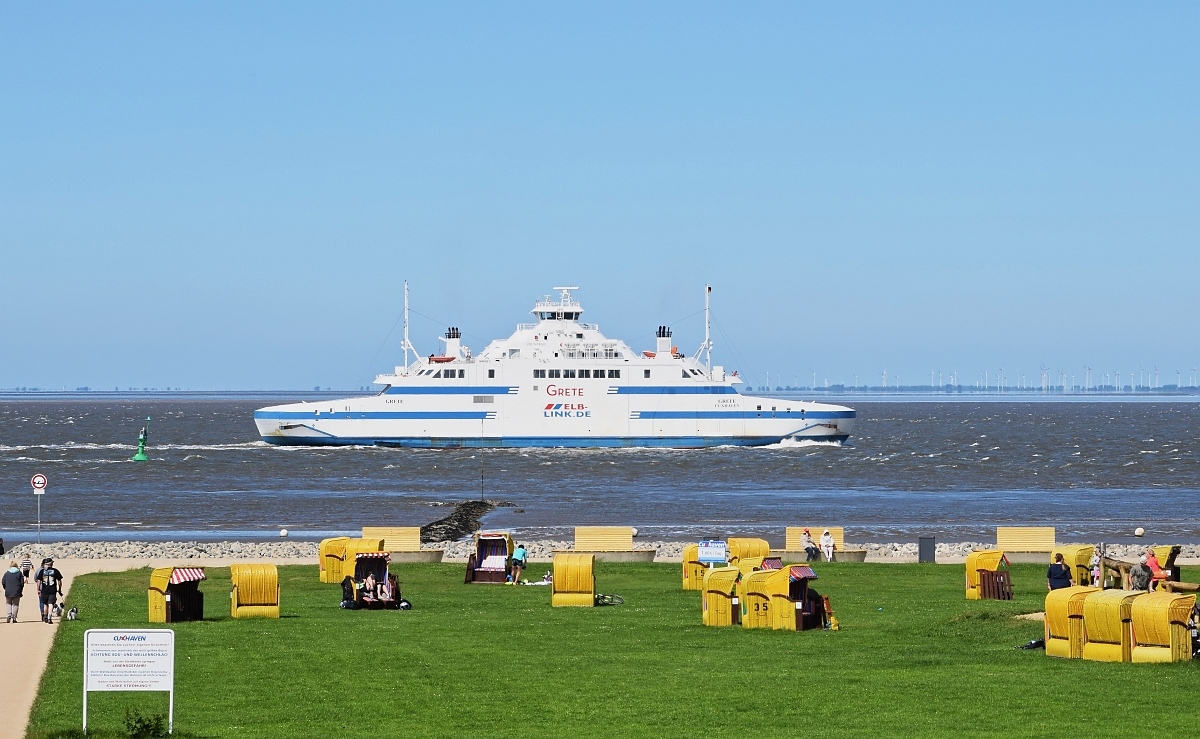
[[174, 595], [377, 564], [755, 596], [255, 592], [491, 562]]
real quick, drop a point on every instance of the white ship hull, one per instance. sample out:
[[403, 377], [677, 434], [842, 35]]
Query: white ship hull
[[557, 383]]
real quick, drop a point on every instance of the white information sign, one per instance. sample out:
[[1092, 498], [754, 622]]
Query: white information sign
[[128, 659], [712, 552]]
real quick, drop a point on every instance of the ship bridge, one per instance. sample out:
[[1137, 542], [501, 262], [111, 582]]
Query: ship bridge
[[566, 308]]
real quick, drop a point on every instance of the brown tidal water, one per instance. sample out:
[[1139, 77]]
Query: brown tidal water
[[954, 470]]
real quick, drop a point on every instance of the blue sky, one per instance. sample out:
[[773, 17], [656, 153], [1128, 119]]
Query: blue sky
[[230, 195]]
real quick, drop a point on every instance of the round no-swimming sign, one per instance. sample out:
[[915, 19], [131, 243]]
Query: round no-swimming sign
[[38, 482]]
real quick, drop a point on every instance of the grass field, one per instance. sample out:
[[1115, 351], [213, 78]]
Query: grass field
[[913, 658]]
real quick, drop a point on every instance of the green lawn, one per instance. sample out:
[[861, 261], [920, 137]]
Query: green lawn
[[913, 658]]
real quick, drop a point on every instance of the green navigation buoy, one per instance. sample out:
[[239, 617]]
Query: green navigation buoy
[[141, 452]]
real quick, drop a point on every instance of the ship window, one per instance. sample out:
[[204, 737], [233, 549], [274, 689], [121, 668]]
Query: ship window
[[568, 374], [579, 336], [462, 374], [539, 374], [555, 374], [439, 374], [614, 374], [760, 407], [646, 373], [491, 374], [585, 374], [485, 398], [685, 374]]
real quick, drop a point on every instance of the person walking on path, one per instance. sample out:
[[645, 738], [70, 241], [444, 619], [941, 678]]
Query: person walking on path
[[26, 567], [1058, 575], [518, 563], [14, 586], [49, 585], [827, 545]]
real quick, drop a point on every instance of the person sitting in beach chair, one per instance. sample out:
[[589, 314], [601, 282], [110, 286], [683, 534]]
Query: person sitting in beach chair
[[1157, 573], [370, 588], [375, 585]]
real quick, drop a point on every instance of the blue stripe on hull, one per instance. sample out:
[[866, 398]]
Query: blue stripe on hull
[[373, 415], [800, 414], [673, 390], [570, 442], [451, 390]]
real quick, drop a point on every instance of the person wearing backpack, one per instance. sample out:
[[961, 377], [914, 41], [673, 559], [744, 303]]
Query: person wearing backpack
[[14, 586], [49, 585]]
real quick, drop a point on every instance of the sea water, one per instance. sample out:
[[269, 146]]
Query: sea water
[[954, 470]]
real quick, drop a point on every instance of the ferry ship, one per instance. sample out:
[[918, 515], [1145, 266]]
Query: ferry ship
[[556, 382]]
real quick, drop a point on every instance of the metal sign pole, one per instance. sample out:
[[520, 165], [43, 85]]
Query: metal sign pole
[[39, 500]]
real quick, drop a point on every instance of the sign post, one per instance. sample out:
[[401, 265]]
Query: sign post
[[39, 489], [712, 552], [129, 660]]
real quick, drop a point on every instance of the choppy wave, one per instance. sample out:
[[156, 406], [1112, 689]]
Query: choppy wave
[[802, 444]]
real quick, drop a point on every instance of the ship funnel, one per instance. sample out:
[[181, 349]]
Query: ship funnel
[[453, 339], [663, 349]]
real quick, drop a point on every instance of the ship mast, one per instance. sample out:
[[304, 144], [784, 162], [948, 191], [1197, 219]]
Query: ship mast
[[707, 340], [706, 347], [407, 345]]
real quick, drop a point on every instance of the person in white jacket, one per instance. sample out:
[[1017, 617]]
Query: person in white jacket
[[827, 545]]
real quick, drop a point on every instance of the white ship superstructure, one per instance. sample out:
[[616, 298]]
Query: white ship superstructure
[[556, 382]]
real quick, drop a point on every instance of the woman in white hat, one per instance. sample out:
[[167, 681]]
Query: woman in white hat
[[827, 545]]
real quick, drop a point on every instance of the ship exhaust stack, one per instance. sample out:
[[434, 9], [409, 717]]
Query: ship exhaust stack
[[453, 339], [663, 349]]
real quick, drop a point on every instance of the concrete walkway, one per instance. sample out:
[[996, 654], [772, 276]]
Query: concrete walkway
[[26, 644]]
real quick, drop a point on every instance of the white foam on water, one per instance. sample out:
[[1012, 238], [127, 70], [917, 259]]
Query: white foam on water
[[801, 444]]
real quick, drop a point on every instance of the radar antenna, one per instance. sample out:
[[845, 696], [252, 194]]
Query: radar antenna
[[565, 294]]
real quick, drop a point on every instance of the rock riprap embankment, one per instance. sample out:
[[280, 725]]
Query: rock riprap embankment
[[539, 549]]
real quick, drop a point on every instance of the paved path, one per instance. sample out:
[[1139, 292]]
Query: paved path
[[26, 644]]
